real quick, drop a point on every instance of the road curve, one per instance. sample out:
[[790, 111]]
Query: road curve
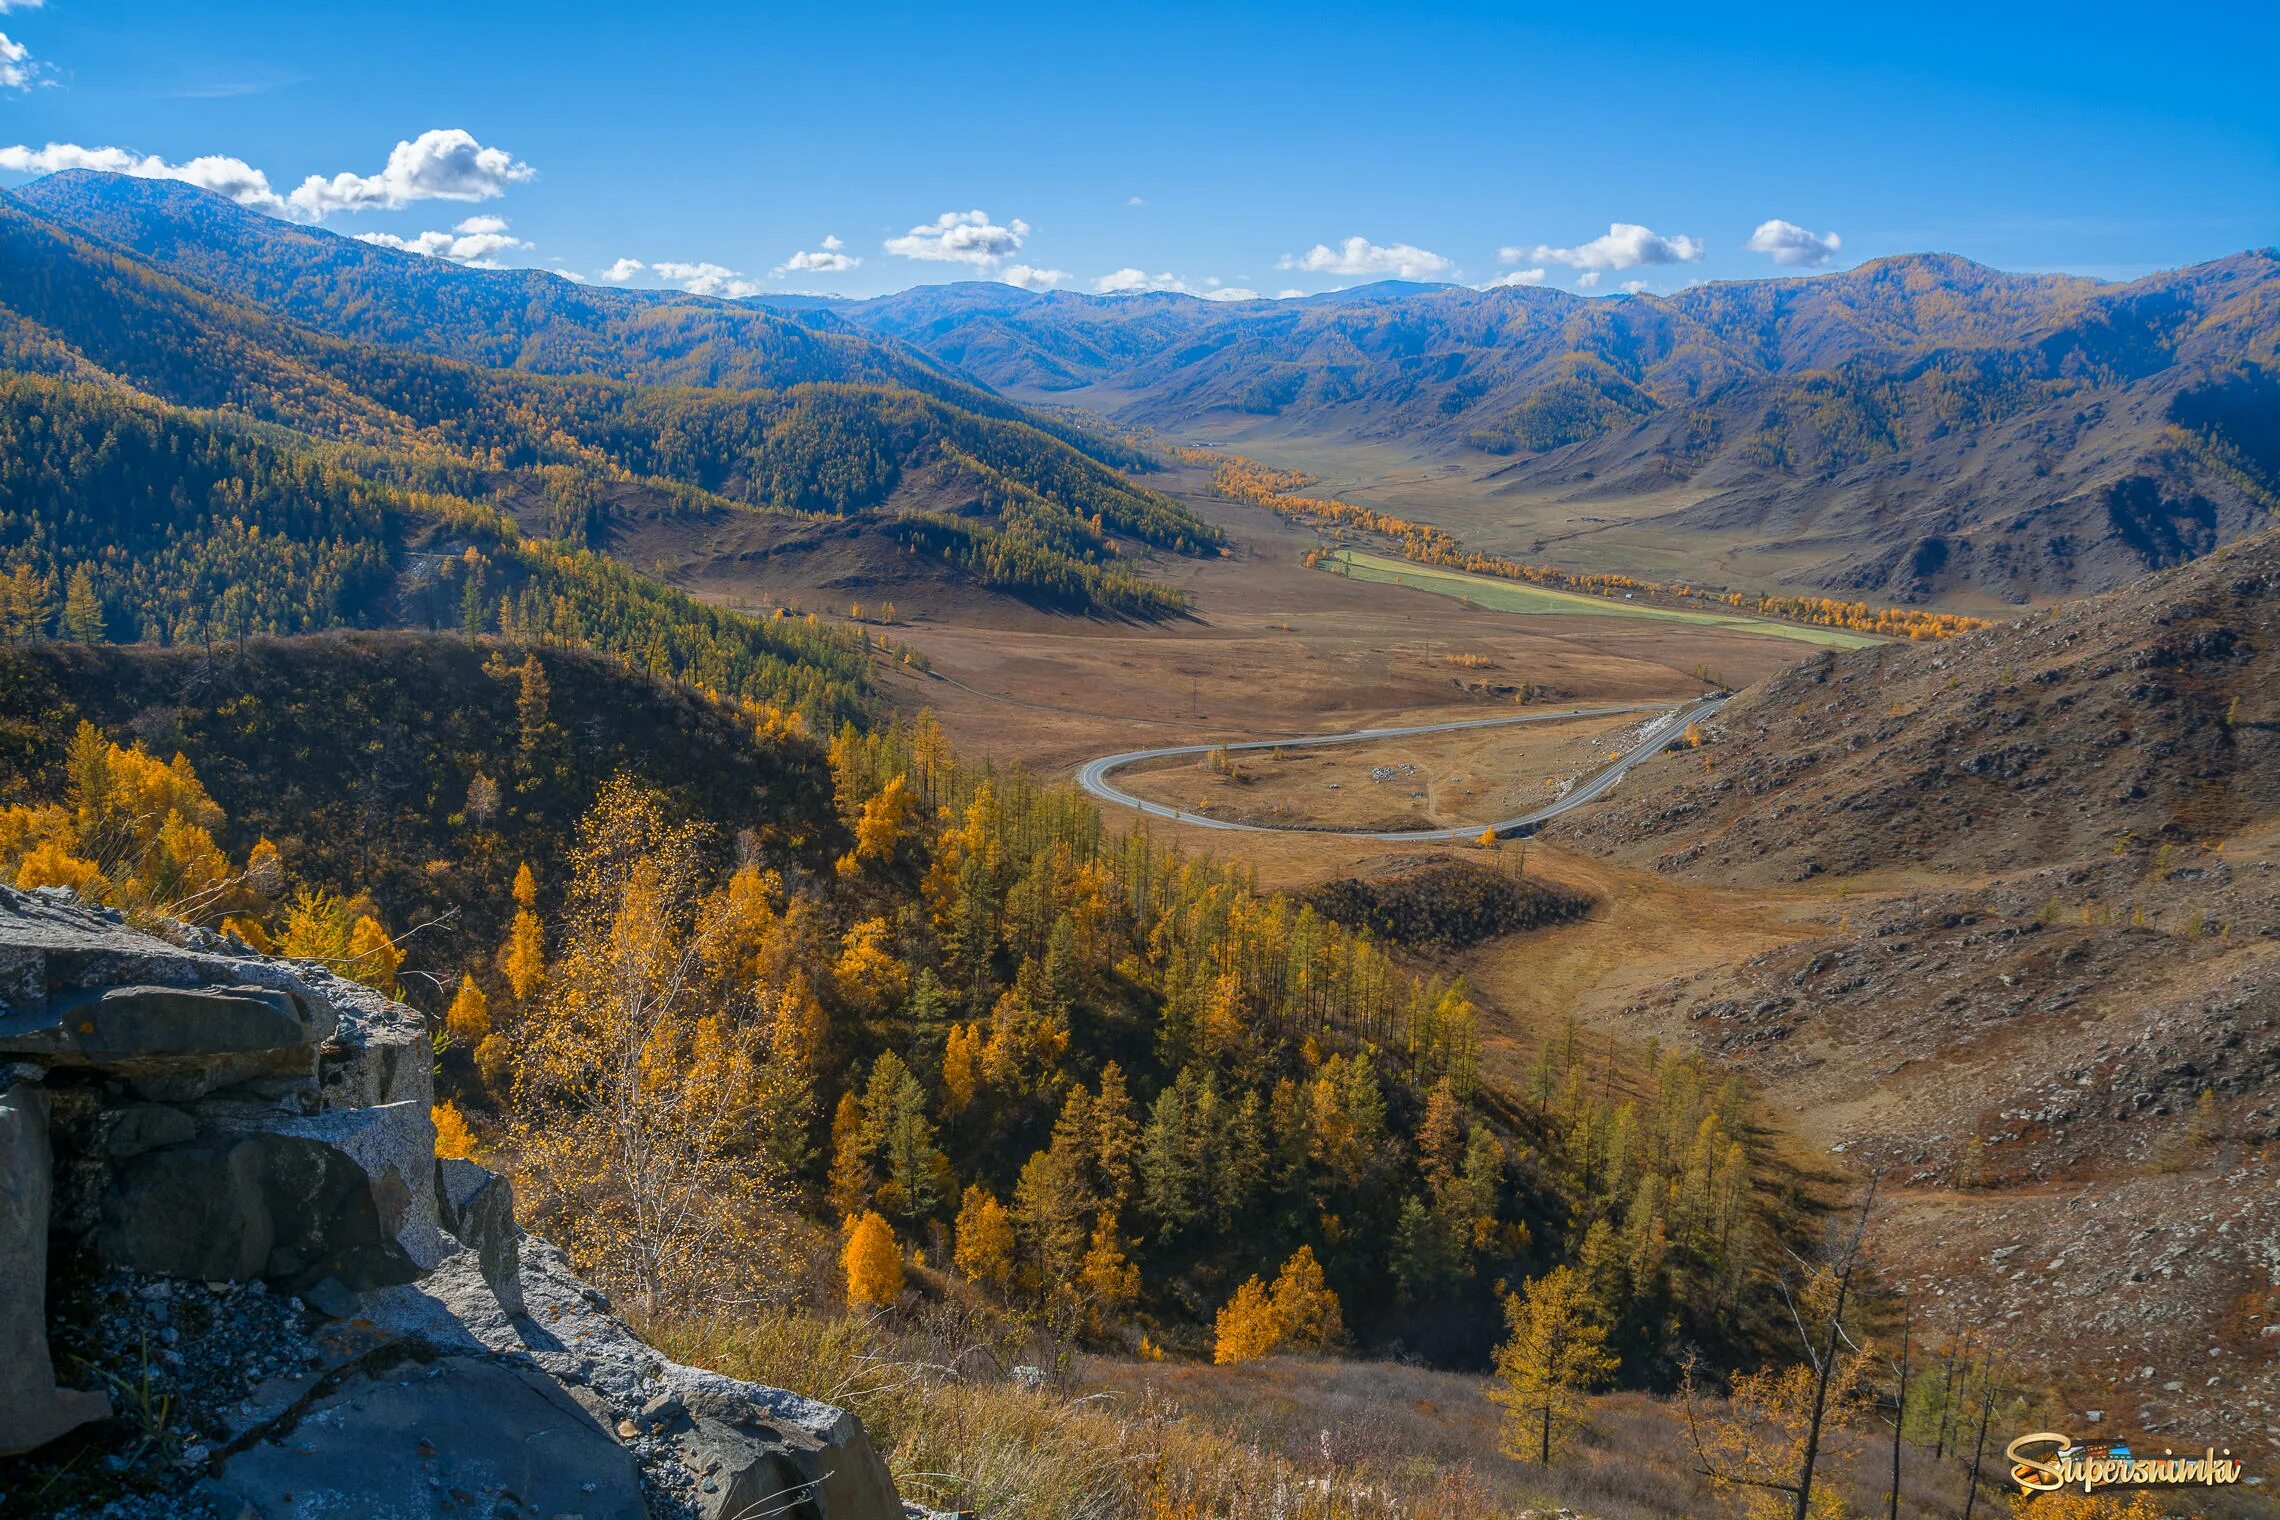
[[1094, 775]]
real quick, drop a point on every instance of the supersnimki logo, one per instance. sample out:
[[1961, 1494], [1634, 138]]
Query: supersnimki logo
[[2047, 1461]]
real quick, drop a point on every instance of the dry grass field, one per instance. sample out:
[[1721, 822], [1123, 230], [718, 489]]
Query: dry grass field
[[1423, 781]]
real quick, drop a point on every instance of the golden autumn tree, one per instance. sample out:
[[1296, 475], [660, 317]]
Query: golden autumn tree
[[872, 1262], [961, 1068], [867, 975], [133, 832], [1107, 1281], [1300, 1309], [1246, 1327], [453, 1138], [637, 1073], [373, 957], [887, 819], [1555, 1356], [983, 1248], [852, 1181], [1304, 1306], [469, 1019], [522, 959]]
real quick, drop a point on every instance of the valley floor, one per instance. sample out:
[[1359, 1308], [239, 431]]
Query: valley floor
[[2133, 1290]]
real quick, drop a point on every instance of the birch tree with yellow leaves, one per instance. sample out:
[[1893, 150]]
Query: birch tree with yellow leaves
[[638, 1072]]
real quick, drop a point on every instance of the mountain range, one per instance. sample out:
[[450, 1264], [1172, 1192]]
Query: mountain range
[[1918, 429], [1912, 429]]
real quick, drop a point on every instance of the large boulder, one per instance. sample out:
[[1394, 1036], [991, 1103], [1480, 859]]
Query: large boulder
[[452, 1436], [250, 1148], [348, 1194], [478, 1209]]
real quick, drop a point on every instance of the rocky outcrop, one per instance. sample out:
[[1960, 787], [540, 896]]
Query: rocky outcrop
[[240, 1152]]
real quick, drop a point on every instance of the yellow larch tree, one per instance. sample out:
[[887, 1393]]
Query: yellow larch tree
[[1246, 1327], [373, 958], [453, 1138], [872, 1261], [1555, 1356], [1304, 1306], [983, 1248], [1108, 1282], [469, 1019]]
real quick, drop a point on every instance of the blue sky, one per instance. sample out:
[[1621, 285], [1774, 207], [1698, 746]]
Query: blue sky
[[1227, 147]]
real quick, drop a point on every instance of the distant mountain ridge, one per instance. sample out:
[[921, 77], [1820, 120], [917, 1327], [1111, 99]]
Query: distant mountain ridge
[[1917, 429], [1922, 424]]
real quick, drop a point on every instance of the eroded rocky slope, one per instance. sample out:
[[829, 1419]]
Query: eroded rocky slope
[[2143, 718]]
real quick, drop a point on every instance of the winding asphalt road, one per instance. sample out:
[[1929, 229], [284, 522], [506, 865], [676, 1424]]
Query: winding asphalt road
[[1094, 775]]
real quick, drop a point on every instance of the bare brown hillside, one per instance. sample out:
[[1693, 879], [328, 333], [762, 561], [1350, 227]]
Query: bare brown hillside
[[2044, 1000], [2138, 720]]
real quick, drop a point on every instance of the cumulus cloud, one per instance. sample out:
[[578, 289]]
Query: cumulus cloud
[[446, 164], [1516, 277], [1626, 246], [961, 237], [829, 259], [1788, 243], [1029, 277], [233, 177], [621, 271], [17, 71], [1635, 287], [475, 242], [1130, 281], [704, 279], [1231, 293], [1288, 295], [1360, 256]]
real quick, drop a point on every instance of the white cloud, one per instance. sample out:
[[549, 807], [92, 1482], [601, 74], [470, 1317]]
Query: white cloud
[[446, 164], [1135, 201], [961, 237], [1360, 256], [1288, 295], [20, 5], [1231, 293], [829, 259], [1516, 277], [17, 71], [703, 279], [1788, 243], [474, 241], [233, 177], [1130, 281], [1626, 246], [1635, 287], [621, 271], [1029, 277]]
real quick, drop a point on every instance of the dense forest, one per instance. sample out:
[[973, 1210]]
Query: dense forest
[[1107, 1082]]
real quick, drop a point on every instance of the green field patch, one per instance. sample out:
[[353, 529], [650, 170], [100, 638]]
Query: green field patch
[[1521, 597]]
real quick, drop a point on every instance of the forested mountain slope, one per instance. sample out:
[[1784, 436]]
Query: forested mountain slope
[[1123, 1077], [1014, 505], [1912, 428], [359, 756]]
